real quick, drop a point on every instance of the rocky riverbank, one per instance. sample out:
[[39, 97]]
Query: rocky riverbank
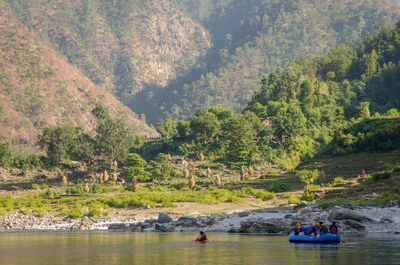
[[354, 218], [278, 220]]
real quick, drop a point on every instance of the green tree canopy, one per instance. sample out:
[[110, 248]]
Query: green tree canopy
[[239, 140], [167, 129], [204, 126]]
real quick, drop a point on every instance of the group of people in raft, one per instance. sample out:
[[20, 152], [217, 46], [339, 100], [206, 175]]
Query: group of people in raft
[[321, 228]]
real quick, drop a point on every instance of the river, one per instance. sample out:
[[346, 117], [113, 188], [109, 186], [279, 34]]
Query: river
[[177, 248]]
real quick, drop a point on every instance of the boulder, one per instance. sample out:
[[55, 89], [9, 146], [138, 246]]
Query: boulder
[[354, 224], [386, 220], [134, 227], [348, 215], [118, 227], [164, 227], [164, 218], [243, 214], [145, 225], [274, 225], [187, 221]]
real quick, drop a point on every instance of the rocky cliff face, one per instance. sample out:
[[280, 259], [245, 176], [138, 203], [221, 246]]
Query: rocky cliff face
[[39, 89]]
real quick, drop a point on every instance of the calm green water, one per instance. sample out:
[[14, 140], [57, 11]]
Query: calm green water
[[177, 248]]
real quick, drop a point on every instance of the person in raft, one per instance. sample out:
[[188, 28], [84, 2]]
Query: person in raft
[[202, 237], [297, 229], [333, 228], [325, 228]]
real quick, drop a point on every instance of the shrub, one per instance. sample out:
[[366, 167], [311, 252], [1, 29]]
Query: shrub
[[314, 187], [212, 165], [336, 181], [279, 187], [76, 211], [49, 194], [308, 196], [294, 200], [327, 204], [381, 175]]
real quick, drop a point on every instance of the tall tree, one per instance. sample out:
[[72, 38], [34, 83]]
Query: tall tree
[[240, 139], [114, 135], [204, 126]]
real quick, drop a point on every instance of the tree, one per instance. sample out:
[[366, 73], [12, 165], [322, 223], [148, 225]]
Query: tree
[[204, 126], [240, 140], [308, 176], [222, 114], [182, 127], [5, 153], [114, 136], [66, 142], [392, 113], [167, 129], [135, 168], [362, 110], [160, 169], [289, 124]]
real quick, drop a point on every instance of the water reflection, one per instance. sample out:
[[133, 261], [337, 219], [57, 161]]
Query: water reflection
[[177, 248]]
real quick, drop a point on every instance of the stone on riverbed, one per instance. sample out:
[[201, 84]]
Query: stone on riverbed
[[354, 224], [274, 225], [348, 215], [187, 221], [164, 218], [118, 227], [164, 228]]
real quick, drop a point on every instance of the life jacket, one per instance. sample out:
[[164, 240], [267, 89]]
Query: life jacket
[[325, 229], [317, 230], [333, 229], [297, 229], [203, 237]]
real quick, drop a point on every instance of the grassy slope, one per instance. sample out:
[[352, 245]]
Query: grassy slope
[[177, 202]]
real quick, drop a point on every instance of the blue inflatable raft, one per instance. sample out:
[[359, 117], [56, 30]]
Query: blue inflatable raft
[[321, 238]]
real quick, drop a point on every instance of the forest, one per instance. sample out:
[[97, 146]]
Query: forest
[[251, 39]]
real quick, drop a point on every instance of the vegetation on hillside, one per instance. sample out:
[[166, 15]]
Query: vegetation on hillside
[[251, 38], [121, 45], [39, 89], [317, 105]]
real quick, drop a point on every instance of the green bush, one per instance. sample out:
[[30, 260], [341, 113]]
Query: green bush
[[327, 204], [381, 175], [49, 194], [391, 195], [279, 187], [212, 165], [294, 200], [336, 181], [308, 196], [76, 211]]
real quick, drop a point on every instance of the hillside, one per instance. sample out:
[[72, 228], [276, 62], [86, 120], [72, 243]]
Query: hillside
[[121, 45], [252, 38], [39, 89]]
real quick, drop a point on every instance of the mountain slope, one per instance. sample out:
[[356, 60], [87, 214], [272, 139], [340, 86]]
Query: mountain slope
[[252, 38], [38, 89], [122, 45]]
